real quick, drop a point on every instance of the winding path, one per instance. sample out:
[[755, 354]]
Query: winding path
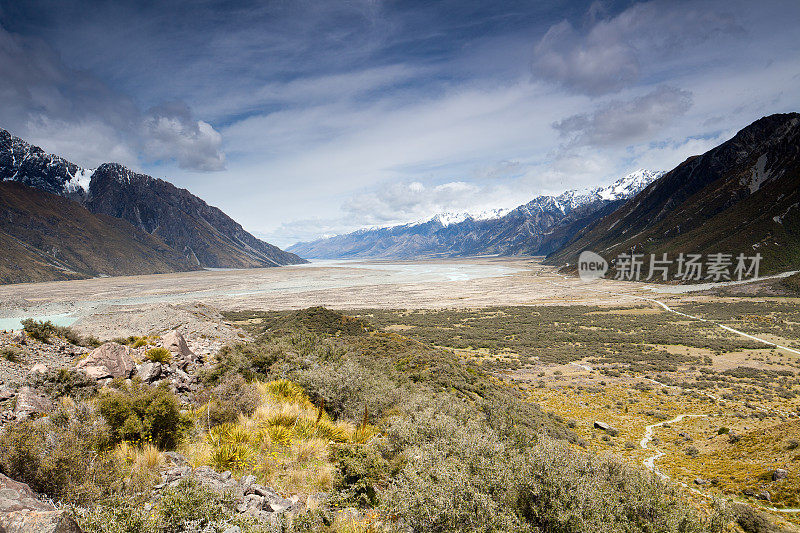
[[648, 434]]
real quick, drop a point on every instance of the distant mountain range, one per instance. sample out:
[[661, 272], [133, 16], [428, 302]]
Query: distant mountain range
[[740, 197], [539, 227], [166, 228]]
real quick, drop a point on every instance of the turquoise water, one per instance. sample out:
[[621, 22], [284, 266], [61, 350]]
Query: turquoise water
[[15, 323]]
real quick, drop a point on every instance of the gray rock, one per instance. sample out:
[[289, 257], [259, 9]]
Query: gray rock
[[233, 529], [149, 372], [175, 343], [6, 394], [274, 503], [112, 358], [22, 512], [38, 368], [29, 402], [605, 427], [780, 473]]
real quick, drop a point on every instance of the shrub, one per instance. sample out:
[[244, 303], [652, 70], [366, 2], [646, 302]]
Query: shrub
[[723, 431], [10, 353], [42, 331], [61, 382], [139, 342], [692, 451], [361, 470], [187, 507], [226, 401], [190, 504], [142, 414], [61, 456], [38, 330], [158, 355]]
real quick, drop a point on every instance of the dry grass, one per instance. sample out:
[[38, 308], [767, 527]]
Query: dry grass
[[285, 442]]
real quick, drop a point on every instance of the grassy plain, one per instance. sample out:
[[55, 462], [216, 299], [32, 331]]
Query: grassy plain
[[635, 366]]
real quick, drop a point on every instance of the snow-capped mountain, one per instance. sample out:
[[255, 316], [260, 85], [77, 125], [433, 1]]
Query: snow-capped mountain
[[538, 227]]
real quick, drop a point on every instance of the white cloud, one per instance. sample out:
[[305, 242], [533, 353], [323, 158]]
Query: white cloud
[[621, 122], [170, 131], [76, 115], [610, 53]]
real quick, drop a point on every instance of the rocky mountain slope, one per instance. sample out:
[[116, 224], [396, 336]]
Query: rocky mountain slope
[[740, 197], [537, 228], [202, 234], [47, 237]]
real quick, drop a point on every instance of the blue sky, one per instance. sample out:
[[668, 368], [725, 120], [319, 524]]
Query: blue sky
[[307, 118]]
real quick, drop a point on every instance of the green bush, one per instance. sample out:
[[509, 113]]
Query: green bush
[[60, 382], [158, 355], [187, 507], [38, 330], [61, 456], [140, 414], [43, 330], [226, 401], [191, 504]]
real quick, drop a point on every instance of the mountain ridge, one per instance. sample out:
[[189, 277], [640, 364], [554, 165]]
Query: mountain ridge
[[537, 227], [742, 196], [203, 234]]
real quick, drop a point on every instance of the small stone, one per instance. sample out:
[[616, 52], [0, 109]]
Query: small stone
[[39, 368], [780, 473], [233, 529]]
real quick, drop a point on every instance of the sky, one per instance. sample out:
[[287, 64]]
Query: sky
[[309, 118]]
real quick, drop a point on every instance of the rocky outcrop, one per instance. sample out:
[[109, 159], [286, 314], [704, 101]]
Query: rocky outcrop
[[110, 360], [22, 512], [253, 499], [29, 402], [175, 343]]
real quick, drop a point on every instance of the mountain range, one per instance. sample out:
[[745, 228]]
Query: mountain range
[[539, 227], [742, 197], [165, 228]]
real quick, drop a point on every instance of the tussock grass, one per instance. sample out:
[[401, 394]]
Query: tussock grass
[[158, 355], [286, 441]]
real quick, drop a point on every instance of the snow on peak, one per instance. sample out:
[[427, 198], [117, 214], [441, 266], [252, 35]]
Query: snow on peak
[[448, 218], [628, 186], [80, 180]]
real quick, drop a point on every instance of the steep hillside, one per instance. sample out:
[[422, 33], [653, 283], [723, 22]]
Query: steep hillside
[[537, 228], [203, 234], [45, 237], [740, 197]]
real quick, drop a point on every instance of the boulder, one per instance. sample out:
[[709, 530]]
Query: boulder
[[780, 473], [29, 402], [149, 372], [109, 360], [22, 512], [605, 427], [175, 343], [272, 501]]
